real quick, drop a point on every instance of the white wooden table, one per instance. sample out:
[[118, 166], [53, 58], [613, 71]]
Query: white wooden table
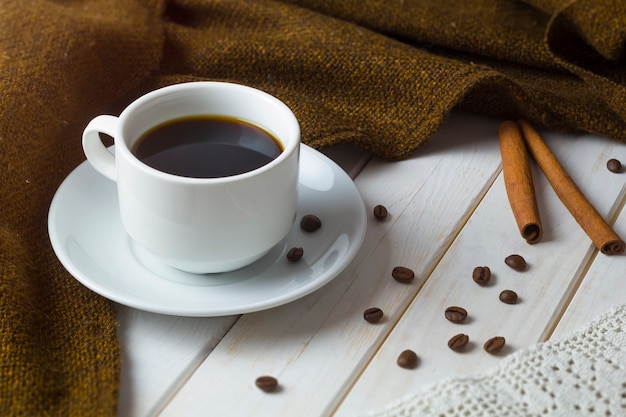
[[448, 213]]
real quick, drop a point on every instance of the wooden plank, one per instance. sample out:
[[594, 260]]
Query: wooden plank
[[160, 352], [318, 345], [603, 286], [555, 267]]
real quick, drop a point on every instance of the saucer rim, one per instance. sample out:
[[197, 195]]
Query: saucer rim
[[322, 279]]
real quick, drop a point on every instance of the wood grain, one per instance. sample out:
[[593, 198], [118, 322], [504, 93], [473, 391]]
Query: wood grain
[[448, 212], [318, 346]]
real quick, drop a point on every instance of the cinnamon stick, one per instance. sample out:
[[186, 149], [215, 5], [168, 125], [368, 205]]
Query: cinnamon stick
[[518, 181], [601, 234]]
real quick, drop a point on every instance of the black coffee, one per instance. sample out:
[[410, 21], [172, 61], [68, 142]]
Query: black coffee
[[206, 147]]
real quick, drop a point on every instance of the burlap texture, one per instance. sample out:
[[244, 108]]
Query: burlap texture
[[382, 74]]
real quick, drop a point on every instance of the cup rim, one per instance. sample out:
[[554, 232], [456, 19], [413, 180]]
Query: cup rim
[[289, 147]]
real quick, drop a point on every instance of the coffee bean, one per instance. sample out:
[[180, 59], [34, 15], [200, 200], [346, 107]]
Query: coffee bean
[[456, 314], [481, 275], [267, 383], [614, 165], [373, 314], [494, 345], [407, 359], [380, 212], [516, 262], [295, 254], [403, 274], [310, 223], [458, 342], [508, 297]]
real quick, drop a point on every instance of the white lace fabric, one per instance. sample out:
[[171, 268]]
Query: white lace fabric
[[582, 374]]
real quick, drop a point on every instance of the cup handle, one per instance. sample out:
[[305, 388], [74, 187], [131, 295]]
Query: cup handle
[[95, 151]]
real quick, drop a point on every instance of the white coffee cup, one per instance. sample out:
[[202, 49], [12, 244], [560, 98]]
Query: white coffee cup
[[201, 225]]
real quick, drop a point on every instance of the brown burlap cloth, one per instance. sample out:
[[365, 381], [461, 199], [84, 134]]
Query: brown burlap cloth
[[383, 74]]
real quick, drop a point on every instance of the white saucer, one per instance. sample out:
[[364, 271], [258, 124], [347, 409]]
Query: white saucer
[[88, 238]]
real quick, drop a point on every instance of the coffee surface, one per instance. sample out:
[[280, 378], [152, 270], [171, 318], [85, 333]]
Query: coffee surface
[[206, 147]]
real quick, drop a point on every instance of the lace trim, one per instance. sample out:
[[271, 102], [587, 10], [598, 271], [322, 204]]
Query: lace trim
[[583, 374]]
